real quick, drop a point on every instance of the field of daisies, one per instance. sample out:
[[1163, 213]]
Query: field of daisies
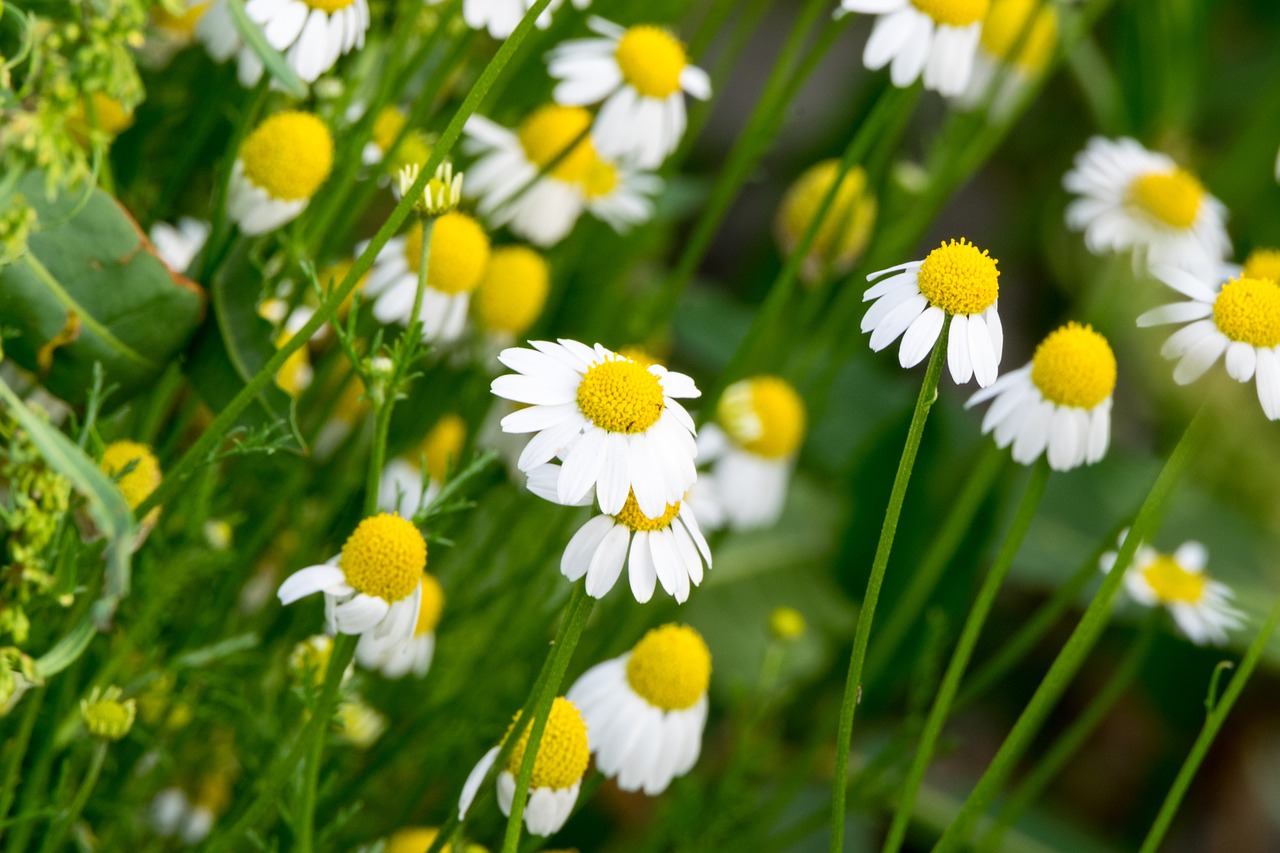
[[493, 426]]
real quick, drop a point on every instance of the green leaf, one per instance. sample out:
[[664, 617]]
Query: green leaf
[[275, 64]]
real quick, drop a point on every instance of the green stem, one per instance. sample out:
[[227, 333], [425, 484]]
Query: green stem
[[220, 233], [63, 823], [15, 750], [344, 648], [964, 650], [853, 682]]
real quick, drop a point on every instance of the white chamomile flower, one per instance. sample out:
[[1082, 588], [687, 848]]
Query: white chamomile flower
[[936, 37], [177, 245], [1003, 49], [846, 228], [646, 709], [402, 489], [311, 34], [374, 585], [1060, 401], [913, 300], [1240, 318], [1132, 199], [398, 659], [614, 421], [500, 17], [1201, 606], [441, 194], [281, 165], [561, 761]]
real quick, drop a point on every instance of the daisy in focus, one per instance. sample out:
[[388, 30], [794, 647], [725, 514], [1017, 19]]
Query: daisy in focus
[[842, 237], [281, 165], [914, 300], [1132, 199], [177, 245], [402, 488], [642, 74], [311, 34], [398, 659], [1059, 402], [935, 37], [1002, 48], [646, 710]]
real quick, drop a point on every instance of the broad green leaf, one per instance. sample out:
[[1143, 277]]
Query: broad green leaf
[[275, 64]]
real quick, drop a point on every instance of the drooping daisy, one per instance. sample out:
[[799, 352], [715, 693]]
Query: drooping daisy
[[281, 165], [500, 17], [374, 585], [561, 761], [402, 488], [311, 34], [913, 300], [177, 245], [1201, 606], [615, 422], [646, 709], [1132, 199], [936, 37], [642, 74], [1240, 318], [398, 659], [845, 229], [1003, 48], [1060, 401], [512, 292]]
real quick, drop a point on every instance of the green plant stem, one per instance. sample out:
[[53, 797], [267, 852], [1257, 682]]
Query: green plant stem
[[1217, 716], [62, 823], [220, 232], [973, 624], [1078, 645], [15, 750], [853, 681]]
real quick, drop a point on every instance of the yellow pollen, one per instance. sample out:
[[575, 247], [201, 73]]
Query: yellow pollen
[[562, 754], [620, 395], [513, 289], [651, 59], [432, 605], [458, 255], [1074, 366], [139, 482], [632, 517], [1172, 198], [1173, 584], [442, 448], [183, 24], [845, 229], [384, 556], [1248, 310], [953, 13], [670, 667], [1263, 263], [600, 180], [764, 415], [387, 126], [959, 278], [547, 134], [1005, 23], [289, 155], [328, 6]]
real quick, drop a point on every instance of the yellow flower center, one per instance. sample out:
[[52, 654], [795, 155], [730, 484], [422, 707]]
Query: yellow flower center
[[294, 376], [632, 517], [384, 556], [415, 150], [184, 24], [786, 623], [764, 415], [417, 839], [847, 226], [328, 6], [953, 13], [651, 59], [1004, 26], [562, 754], [387, 126], [432, 605], [670, 667], [443, 445], [513, 289], [600, 180], [289, 155], [1172, 198], [1248, 310], [1074, 366], [1173, 584], [547, 136], [141, 480], [620, 395], [1263, 263], [959, 278], [458, 255], [106, 716]]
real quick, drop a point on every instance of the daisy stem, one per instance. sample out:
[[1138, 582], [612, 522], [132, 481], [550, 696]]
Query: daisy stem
[[63, 822], [1078, 645], [853, 682], [973, 624], [1217, 716]]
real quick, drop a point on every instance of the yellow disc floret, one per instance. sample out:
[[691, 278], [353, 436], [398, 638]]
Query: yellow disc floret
[[562, 754], [432, 605], [458, 255], [600, 180], [953, 13], [1171, 583], [289, 155], [1074, 366], [651, 60], [384, 556], [1263, 263], [418, 839], [620, 395], [1248, 310], [845, 229], [548, 135], [1002, 32], [442, 447], [632, 517], [513, 289], [764, 415], [136, 483], [1171, 198], [670, 667], [387, 126], [106, 715], [960, 278]]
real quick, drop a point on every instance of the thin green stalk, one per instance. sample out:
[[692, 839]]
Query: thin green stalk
[[1077, 647], [62, 824], [963, 651], [1217, 716], [853, 682], [15, 750]]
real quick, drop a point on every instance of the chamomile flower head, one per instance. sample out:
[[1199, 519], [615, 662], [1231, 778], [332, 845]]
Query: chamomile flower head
[[410, 482], [1262, 263], [441, 194], [1132, 199], [642, 74], [388, 124], [281, 165], [1015, 43], [913, 301], [311, 34], [1201, 606], [1059, 402], [615, 422], [845, 229], [178, 244], [563, 755], [418, 839], [512, 291], [1239, 318], [500, 17], [105, 715], [134, 468], [171, 31], [935, 37], [646, 710], [359, 723], [374, 585], [398, 659]]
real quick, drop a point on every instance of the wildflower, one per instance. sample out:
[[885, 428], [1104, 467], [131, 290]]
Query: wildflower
[[177, 245], [311, 34], [374, 585], [401, 488], [500, 17], [1132, 199], [646, 710], [442, 193], [641, 74], [936, 37], [396, 660], [615, 422], [418, 839], [1240, 318], [281, 165], [359, 724], [99, 114], [388, 124], [845, 229], [955, 279], [106, 715], [1060, 401], [512, 291], [786, 624], [561, 761], [137, 473], [1003, 48]]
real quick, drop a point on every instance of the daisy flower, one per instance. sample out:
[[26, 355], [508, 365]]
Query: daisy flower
[[936, 37], [1132, 199], [913, 300], [402, 489], [136, 472], [845, 230], [311, 34], [1059, 402], [1003, 49], [1201, 606], [374, 585], [614, 421], [281, 165], [177, 245], [512, 292], [398, 659], [561, 761], [641, 74], [500, 17], [646, 709], [1239, 318]]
